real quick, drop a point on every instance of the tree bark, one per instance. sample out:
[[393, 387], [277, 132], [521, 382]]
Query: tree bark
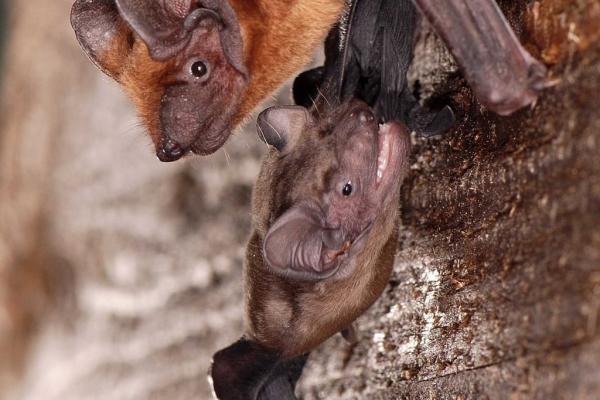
[[496, 290]]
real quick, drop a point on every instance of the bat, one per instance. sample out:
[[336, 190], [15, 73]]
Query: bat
[[325, 220], [297, 291], [195, 69], [325, 214], [163, 53]]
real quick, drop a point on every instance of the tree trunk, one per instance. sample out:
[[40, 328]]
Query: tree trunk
[[121, 276], [496, 290]]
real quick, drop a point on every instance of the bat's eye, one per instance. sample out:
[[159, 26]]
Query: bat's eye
[[347, 189], [199, 69]]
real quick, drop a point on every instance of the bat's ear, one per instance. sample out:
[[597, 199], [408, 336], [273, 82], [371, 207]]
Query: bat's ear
[[280, 127], [160, 24], [101, 33], [167, 27], [299, 246]]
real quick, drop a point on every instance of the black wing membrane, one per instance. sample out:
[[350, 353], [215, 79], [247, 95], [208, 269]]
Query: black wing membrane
[[246, 370], [381, 42], [369, 55]]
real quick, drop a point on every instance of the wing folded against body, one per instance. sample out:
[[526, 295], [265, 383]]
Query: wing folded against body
[[502, 74]]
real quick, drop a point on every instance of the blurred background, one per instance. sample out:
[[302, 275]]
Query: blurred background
[[119, 275]]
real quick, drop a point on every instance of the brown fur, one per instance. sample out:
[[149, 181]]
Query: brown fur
[[279, 36], [272, 316], [292, 317]]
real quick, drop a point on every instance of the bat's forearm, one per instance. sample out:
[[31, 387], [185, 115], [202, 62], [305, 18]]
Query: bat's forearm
[[502, 74]]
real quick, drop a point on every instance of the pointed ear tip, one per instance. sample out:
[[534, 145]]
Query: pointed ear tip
[[74, 11], [75, 16]]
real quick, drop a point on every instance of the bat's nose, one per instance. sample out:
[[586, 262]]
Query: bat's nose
[[169, 150]]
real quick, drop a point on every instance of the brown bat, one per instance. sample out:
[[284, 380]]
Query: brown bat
[[195, 69], [325, 230]]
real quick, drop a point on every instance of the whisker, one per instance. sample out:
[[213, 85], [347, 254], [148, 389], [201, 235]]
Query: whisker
[[227, 157], [316, 107], [263, 135], [323, 95]]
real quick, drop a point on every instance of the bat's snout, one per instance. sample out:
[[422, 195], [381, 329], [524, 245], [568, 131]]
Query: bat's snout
[[169, 150]]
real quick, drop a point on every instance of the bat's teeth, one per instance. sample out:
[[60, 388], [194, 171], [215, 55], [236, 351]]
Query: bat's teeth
[[382, 159]]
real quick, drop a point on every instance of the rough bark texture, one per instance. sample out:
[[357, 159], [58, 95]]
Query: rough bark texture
[[120, 276], [496, 290]]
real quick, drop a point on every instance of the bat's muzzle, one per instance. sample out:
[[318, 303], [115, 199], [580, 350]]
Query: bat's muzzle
[[169, 150]]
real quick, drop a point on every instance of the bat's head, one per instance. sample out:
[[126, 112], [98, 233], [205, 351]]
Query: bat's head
[[181, 61], [325, 185]]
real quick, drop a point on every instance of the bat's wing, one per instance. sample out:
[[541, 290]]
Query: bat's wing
[[282, 384], [377, 53], [360, 62], [247, 370], [502, 74], [398, 23]]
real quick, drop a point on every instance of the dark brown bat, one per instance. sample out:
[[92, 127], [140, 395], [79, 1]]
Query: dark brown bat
[[325, 229], [195, 69]]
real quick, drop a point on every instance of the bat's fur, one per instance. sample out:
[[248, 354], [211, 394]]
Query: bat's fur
[[315, 310], [279, 37], [286, 317]]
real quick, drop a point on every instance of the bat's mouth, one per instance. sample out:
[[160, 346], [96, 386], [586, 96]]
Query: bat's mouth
[[169, 150], [209, 145], [392, 158], [186, 126]]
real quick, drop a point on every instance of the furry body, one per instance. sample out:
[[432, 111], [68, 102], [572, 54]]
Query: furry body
[[278, 38], [294, 303]]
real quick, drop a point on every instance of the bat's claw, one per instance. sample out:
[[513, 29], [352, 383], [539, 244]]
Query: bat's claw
[[549, 83], [428, 124], [350, 334]]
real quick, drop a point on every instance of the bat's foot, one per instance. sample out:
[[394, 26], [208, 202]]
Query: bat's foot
[[431, 123], [350, 334]]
